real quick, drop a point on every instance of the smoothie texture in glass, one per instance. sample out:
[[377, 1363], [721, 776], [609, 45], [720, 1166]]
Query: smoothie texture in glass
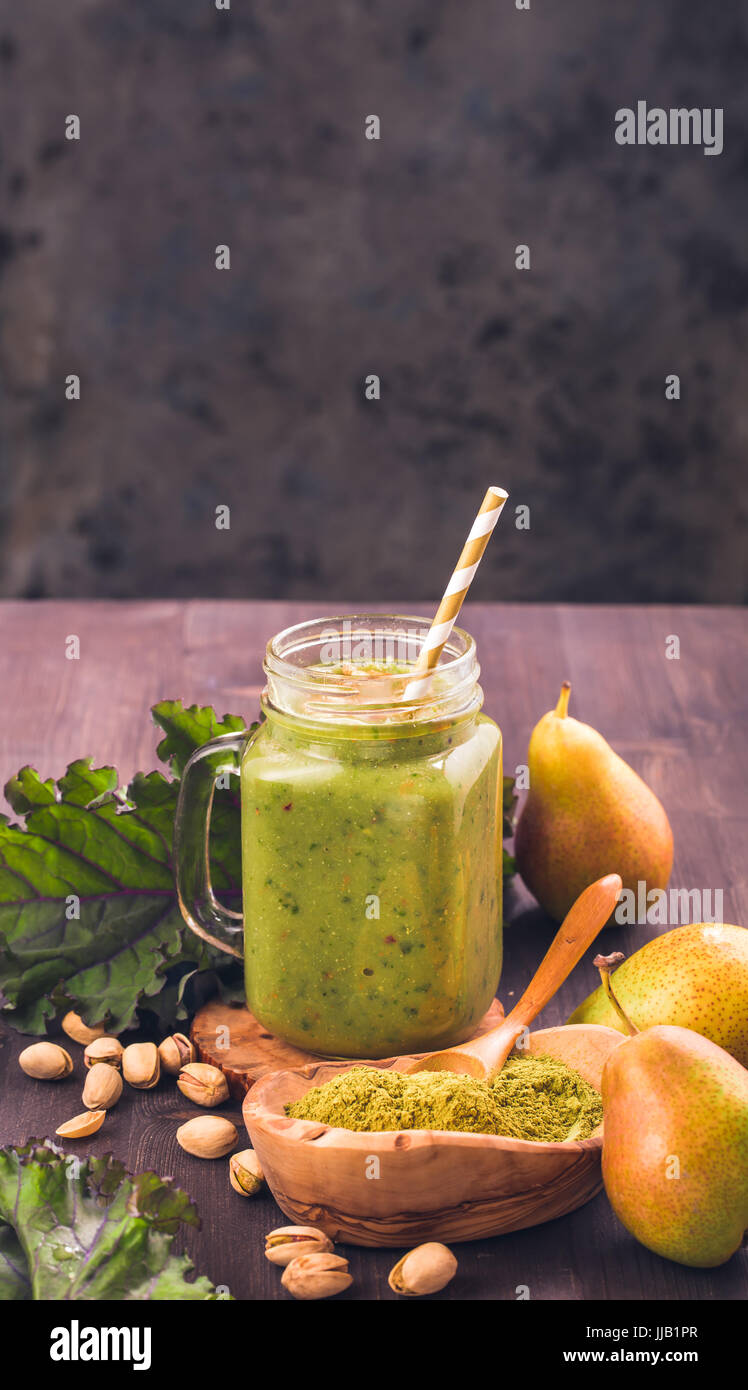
[[371, 842]]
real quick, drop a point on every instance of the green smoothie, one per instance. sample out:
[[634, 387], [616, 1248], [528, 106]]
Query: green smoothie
[[372, 880]]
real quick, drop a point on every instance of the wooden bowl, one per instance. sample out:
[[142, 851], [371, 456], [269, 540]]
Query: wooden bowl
[[431, 1185]]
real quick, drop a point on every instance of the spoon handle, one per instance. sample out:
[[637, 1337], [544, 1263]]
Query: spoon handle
[[485, 1056], [578, 930]]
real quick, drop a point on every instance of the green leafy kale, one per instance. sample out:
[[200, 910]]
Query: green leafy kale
[[88, 912], [81, 1228], [509, 809]]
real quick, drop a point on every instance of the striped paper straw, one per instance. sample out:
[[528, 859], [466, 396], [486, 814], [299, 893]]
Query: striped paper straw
[[462, 578]]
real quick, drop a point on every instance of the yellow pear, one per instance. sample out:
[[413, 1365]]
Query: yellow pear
[[695, 977], [675, 1142], [587, 814]]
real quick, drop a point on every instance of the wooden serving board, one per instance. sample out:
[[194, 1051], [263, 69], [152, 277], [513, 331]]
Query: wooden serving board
[[253, 1052]]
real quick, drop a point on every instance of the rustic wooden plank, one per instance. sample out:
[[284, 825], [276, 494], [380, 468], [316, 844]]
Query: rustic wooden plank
[[682, 723], [252, 1052]]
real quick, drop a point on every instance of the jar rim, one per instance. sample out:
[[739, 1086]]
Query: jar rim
[[293, 668]]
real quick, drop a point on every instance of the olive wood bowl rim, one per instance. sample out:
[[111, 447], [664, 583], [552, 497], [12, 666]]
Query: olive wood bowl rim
[[302, 1131]]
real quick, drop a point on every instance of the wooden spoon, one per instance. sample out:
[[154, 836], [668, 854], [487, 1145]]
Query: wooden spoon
[[484, 1057]]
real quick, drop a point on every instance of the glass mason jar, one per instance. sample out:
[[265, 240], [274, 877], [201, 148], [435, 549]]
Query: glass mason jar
[[371, 842]]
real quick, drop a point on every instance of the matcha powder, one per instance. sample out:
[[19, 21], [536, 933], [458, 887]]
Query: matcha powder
[[536, 1098]]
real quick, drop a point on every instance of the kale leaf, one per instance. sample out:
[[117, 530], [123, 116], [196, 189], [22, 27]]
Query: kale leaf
[[89, 918], [81, 1228]]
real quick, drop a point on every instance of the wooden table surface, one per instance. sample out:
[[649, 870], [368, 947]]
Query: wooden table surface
[[681, 723]]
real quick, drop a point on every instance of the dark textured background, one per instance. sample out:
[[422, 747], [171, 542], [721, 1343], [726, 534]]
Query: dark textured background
[[348, 257]]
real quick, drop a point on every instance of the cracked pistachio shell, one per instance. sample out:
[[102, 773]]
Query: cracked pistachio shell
[[103, 1049], [141, 1066], [82, 1125], [288, 1243], [73, 1025], [45, 1061], [426, 1269], [207, 1136], [103, 1087], [317, 1276], [203, 1084], [245, 1174], [176, 1052]]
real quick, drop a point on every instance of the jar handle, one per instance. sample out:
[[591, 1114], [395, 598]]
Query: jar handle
[[198, 904]]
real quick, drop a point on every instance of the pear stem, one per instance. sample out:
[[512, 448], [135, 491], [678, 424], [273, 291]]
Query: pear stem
[[605, 965], [563, 700]]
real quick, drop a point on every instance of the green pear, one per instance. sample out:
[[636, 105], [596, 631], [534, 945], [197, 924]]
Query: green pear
[[587, 814], [695, 977], [675, 1144]]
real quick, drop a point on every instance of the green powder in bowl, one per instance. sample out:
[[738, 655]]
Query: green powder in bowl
[[536, 1098]]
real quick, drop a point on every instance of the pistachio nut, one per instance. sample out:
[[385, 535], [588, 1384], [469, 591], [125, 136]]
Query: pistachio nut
[[141, 1066], [204, 1084], [245, 1174], [207, 1136], [316, 1276], [45, 1061], [175, 1052], [82, 1125], [104, 1049], [289, 1243], [103, 1087], [426, 1269], [73, 1025]]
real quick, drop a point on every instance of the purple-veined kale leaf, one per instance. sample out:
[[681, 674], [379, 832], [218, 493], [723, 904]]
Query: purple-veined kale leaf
[[509, 816], [89, 917], [82, 1228]]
